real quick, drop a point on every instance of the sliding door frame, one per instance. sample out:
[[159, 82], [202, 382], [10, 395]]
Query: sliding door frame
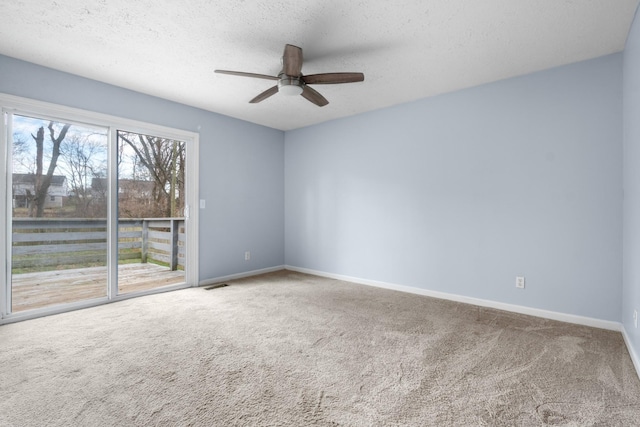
[[10, 104]]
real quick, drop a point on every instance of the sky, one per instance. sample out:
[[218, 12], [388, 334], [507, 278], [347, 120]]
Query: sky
[[24, 127]]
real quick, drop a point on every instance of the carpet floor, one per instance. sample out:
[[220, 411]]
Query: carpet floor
[[288, 349]]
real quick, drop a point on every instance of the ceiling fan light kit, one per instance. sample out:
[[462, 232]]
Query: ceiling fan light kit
[[290, 86], [292, 82]]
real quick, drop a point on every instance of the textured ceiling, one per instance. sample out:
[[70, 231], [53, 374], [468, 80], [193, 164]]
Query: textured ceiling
[[406, 49]]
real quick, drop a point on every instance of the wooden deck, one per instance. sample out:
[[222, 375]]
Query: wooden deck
[[36, 290]]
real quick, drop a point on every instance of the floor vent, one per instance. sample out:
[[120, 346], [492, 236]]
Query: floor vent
[[219, 285]]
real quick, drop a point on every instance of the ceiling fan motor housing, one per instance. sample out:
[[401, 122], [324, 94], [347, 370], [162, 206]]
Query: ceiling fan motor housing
[[289, 85]]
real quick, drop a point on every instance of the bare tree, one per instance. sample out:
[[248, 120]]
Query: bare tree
[[163, 161], [21, 155], [83, 160], [43, 180]]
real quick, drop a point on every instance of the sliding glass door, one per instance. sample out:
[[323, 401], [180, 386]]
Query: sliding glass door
[[58, 223], [151, 204], [93, 212]]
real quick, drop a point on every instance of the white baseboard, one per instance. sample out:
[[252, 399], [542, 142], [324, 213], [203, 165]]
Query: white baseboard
[[632, 353], [546, 314], [215, 280]]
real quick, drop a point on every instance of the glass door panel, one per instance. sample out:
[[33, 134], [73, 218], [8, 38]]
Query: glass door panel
[[151, 208], [58, 213]]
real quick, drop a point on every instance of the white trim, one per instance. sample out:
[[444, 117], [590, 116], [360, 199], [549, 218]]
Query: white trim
[[5, 203], [546, 314], [215, 280], [56, 309], [80, 305], [112, 213], [632, 353], [192, 222], [18, 104]]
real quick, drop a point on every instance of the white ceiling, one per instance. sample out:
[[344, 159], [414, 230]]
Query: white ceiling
[[407, 49]]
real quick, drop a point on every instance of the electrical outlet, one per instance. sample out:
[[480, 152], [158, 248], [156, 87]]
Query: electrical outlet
[[520, 282], [635, 318], [247, 256]]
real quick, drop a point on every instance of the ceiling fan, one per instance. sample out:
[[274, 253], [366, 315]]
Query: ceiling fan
[[291, 81]]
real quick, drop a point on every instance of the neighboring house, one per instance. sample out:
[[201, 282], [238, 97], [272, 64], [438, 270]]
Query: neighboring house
[[24, 185], [127, 188]]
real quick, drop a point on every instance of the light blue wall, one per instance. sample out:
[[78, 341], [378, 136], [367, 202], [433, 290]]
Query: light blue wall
[[241, 164], [462, 192], [631, 260]]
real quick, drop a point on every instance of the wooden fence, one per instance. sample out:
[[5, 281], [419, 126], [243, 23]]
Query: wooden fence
[[69, 243]]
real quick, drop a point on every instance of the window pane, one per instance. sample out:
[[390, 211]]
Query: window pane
[[59, 234], [151, 201]]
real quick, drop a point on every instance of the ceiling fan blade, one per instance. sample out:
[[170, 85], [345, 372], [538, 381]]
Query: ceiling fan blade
[[314, 96], [292, 60], [264, 95], [241, 74], [332, 78]]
